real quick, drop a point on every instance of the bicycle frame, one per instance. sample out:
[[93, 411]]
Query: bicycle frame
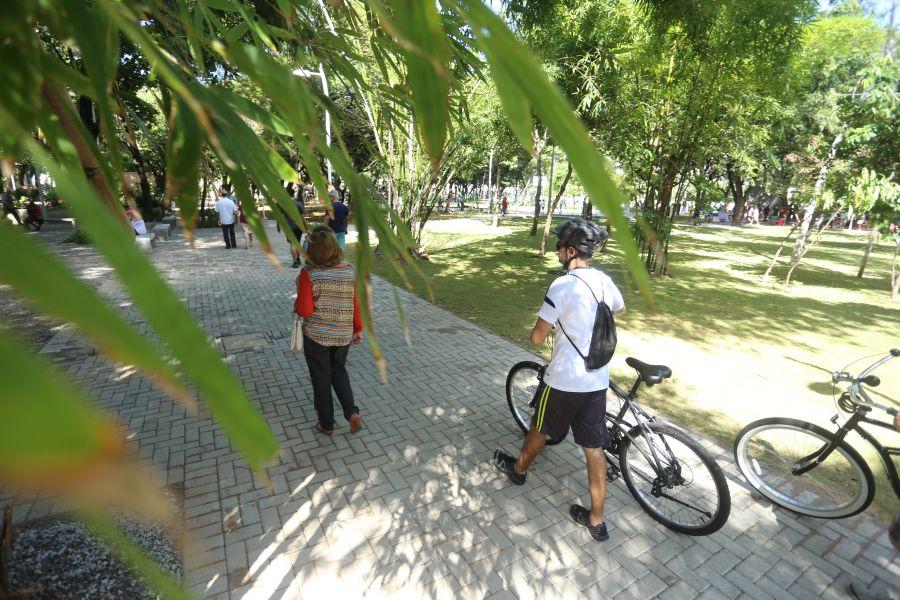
[[853, 424], [641, 419], [864, 405]]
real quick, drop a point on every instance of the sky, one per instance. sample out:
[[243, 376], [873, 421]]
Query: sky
[[882, 8]]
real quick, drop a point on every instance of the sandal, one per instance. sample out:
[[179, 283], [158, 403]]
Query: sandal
[[581, 515], [355, 423], [321, 429]]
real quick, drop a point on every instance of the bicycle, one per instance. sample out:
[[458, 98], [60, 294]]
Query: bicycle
[[657, 461], [811, 471]]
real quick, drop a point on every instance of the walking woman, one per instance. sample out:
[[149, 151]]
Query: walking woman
[[326, 299]]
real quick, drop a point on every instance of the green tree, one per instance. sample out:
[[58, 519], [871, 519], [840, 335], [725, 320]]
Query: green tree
[[879, 197], [662, 84], [827, 77]]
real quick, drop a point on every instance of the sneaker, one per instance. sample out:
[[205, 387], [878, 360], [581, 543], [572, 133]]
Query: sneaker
[[507, 464], [581, 515], [295, 264], [355, 423]]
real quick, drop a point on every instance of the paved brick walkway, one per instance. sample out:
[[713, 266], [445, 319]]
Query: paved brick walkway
[[410, 506]]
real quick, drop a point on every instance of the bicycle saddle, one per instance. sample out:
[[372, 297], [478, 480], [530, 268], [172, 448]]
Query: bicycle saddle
[[650, 374]]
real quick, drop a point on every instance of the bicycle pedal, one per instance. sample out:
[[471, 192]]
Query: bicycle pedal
[[613, 473]]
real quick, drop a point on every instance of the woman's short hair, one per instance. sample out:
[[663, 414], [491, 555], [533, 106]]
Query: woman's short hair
[[323, 250]]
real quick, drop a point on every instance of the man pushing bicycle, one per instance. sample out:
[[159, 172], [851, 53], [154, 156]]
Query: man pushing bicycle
[[571, 394]]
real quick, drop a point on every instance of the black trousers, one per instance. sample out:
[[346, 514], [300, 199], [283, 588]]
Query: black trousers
[[327, 370], [228, 234]]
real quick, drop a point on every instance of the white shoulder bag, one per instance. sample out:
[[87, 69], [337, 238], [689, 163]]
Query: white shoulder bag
[[297, 334]]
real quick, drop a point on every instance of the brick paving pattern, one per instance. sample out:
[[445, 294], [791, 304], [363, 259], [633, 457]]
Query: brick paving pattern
[[410, 506]]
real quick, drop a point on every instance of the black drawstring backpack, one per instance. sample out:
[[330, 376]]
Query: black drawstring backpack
[[603, 338]]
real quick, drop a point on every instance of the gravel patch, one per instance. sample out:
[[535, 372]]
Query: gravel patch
[[63, 560]]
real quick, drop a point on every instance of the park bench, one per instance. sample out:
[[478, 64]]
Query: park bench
[[162, 230], [146, 241]]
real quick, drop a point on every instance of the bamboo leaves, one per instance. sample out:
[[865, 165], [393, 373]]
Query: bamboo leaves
[[46, 429], [182, 165], [164, 311], [425, 48], [42, 278], [52, 439]]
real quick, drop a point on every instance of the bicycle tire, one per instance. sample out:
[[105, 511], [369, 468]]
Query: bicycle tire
[[859, 469], [716, 516], [521, 383]]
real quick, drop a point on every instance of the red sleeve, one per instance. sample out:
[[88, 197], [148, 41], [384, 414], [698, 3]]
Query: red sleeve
[[357, 314], [304, 305]]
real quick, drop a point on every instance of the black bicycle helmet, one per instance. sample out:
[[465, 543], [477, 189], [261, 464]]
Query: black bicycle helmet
[[585, 236]]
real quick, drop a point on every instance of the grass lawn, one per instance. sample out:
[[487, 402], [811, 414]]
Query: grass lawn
[[740, 349]]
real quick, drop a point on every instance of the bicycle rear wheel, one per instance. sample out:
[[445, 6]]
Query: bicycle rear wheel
[[521, 385], [769, 450], [689, 493]]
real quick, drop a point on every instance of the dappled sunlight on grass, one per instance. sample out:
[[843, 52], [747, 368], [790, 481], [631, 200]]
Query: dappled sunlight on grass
[[740, 348]]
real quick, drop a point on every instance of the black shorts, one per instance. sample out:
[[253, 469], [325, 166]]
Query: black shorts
[[585, 412], [297, 232]]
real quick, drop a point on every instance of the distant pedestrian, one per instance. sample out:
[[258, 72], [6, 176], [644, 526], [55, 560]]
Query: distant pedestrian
[[35, 216], [227, 209], [137, 222], [296, 228], [754, 215], [327, 301], [341, 215], [245, 229], [9, 206], [504, 205]]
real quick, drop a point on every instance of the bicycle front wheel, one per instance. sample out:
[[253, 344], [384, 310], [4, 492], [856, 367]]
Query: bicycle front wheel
[[769, 451], [521, 385], [674, 479]]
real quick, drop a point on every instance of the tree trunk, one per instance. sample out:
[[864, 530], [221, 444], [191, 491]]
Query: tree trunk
[[780, 249], [865, 258], [736, 185], [539, 148], [802, 237], [88, 116], [895, 273], [550, 181], [58, 100], [552, 208], [204, 191], [810, 210], [825, 225]]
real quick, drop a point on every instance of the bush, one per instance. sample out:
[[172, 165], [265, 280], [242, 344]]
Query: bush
[[51, 197], [207, 219]]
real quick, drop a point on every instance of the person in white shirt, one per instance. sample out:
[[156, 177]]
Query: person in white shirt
[[227, 209], [137, 221], [570, 394]]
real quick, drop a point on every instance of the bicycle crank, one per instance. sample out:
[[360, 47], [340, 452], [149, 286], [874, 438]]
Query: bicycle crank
[[613, 472]]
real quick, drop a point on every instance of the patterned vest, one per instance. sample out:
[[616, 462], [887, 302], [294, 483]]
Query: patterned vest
[[331, 323]]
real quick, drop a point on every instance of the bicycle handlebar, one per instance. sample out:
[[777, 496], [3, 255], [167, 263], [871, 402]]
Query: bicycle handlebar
[[857, 394]]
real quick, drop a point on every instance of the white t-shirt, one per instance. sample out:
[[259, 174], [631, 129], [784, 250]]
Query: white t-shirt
[[570, 301], [139, 226], [226, 209]]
